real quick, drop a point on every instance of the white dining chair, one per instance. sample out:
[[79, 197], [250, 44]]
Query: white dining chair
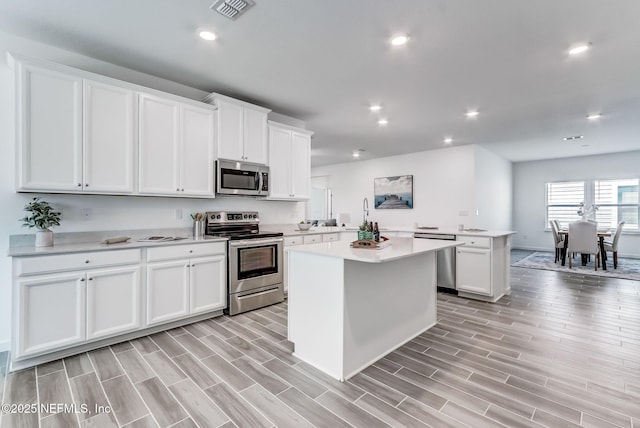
[[558, 242], [613, 245], [583, 238]]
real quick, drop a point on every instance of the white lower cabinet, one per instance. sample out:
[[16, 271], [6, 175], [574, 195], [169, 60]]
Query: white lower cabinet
[[180, 287], [473, 270], [207, 284], [482, 267], [50, 313], [113, 301], [65, 300], [167, 291]]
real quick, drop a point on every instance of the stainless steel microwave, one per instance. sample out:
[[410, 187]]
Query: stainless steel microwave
[[241, 178]]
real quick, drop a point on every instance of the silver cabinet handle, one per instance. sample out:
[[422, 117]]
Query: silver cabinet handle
[[182, 190], [81, 279], [86, 184], [79, 184], [193, 265], [90, 279], [86, 261]]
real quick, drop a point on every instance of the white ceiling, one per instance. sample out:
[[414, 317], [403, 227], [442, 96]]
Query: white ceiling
[[325, 61]]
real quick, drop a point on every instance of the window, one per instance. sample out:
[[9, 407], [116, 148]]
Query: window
[[564, 200], [617, 201]]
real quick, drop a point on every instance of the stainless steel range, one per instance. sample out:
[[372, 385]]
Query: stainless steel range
[[254, 260]]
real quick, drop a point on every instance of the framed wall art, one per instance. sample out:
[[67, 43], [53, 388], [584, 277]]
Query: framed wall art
[[393, 192]]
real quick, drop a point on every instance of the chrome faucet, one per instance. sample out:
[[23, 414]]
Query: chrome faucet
[[365, 209]]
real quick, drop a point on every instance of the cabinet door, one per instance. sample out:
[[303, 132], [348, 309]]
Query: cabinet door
[[49, 129], [108, 134], [158, 146], [230, 118], [196, 157], [208, 284], [279, 163], [167, 291], [113, 301], [301, 165], [473, 270], [255, 136], [51, 313]]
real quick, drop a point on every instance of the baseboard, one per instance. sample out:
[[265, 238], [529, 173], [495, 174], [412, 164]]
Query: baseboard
[[5, 346]]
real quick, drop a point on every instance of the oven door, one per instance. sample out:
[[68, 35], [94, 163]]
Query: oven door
[[255, 263], [239, 178]]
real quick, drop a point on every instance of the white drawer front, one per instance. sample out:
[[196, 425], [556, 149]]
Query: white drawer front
[[328, 237], [475, 241], [75, 261], [312, 239], [293, 240], [185, 251]]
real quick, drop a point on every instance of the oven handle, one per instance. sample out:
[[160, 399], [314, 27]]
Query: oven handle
[[254, 242], [259, 293]]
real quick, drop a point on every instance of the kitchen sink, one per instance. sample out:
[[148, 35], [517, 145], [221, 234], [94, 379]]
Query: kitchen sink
[[472, 229]]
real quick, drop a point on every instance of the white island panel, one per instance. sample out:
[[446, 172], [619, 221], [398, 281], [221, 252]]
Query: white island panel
[[350, 307]]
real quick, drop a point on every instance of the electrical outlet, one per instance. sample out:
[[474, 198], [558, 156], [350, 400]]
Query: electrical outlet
[[178, 214], [87, 213]]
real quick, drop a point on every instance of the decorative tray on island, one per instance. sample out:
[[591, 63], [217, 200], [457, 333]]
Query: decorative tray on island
[[370, 244]]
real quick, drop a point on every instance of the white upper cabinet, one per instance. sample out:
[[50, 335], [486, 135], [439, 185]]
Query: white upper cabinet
[[79, 132], [242, 130], [158, 145], [255, 136], [196, 155], [49, 131], [109, 138], [175, 148], [289, 162]]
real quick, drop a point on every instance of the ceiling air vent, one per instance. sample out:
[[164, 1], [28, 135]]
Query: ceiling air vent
[[232, 9]]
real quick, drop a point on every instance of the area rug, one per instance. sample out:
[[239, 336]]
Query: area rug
[[627, 268]]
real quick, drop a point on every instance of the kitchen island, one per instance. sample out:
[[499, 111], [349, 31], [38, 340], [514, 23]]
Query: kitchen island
[[349, 307]]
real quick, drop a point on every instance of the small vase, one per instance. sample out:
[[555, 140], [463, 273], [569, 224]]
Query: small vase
[[44, 238]]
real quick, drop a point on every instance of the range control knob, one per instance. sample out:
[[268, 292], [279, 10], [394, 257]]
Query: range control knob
[[245, 216], [218, 216], [255, 216]]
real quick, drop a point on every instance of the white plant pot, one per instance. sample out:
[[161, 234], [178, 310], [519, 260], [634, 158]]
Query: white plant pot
[[44, 238]]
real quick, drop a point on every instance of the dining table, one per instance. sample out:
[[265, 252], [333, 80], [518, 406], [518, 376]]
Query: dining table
[[601, 235]]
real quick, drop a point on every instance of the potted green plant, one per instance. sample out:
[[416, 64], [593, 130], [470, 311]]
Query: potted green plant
[[41, 216]]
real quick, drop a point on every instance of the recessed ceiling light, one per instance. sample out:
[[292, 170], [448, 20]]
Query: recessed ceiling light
[[576, 50], [594, 116], [356, 153], [472, 113], [448, 140], [207, 35], [399, 39], [375, 107], [573, 137], [383, 122]]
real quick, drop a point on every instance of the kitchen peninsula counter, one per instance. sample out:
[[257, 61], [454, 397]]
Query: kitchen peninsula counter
[[350, 307]]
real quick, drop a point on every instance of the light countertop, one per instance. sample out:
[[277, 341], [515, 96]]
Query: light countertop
[[400, 248], [292, 230], [78, 242]]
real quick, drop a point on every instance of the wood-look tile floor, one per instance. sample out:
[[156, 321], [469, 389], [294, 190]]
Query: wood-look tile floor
[[561, 351]]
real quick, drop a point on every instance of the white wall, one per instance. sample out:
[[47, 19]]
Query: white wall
[[493, 190], [529, 180], [108, 212], [444, 187]]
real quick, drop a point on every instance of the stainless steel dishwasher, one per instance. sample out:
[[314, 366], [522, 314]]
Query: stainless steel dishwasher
[[445, 261]]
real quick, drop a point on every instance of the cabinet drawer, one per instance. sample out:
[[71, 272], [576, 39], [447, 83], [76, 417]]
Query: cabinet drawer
[[76, 261], [328, 237], [293, 240], [312, 239], [475, 241], [185, 251]]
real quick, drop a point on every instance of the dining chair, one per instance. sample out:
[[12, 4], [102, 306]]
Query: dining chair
[[558, 242], [613, 245], [583, 238]]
